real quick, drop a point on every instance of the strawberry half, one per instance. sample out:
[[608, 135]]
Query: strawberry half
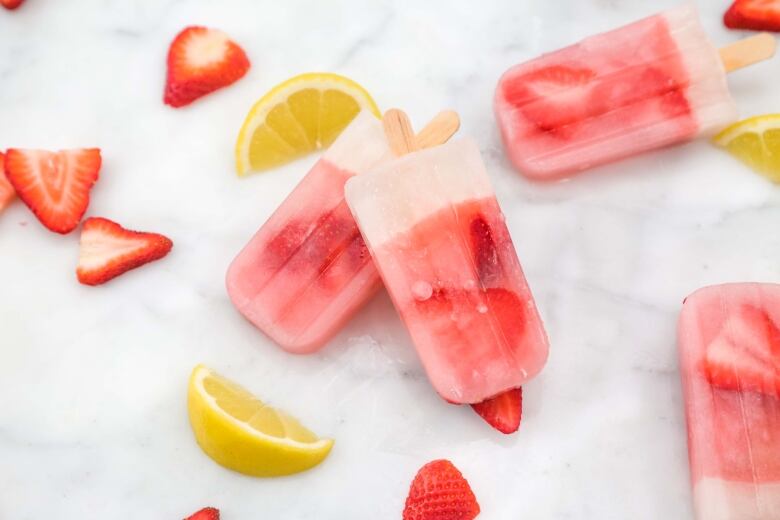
[[745, 356], [552, 97], [6, 190], [108, 250], [485, 251], [54, 185], [439, 492], [758, 15], [207, 513], [200, 61], [11, 4], [502, 412]]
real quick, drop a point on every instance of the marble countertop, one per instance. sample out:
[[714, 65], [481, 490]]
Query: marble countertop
[[93, 381]]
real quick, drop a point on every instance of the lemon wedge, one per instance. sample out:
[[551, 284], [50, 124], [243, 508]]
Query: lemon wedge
[[756, 142], [303, 114], [239, 432]]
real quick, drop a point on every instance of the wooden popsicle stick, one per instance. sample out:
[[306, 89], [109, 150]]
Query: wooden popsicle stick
[[748, 51], [438, 130], [399, 132]]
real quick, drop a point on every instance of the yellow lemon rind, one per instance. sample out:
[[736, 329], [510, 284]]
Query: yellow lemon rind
[[239, 447], [755, 124], [318, 80]]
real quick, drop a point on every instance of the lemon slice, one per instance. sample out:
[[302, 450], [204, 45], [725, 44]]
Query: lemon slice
[[756, 142], [241, 433], [303, 114]]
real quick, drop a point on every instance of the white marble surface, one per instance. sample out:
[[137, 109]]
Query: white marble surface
[[92, 380]]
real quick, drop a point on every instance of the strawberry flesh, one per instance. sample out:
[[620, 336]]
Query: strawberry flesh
[[553, 97], [6, 190], [485, 251], [502, 307], [558, 99], [439, 492], [54, 185], [502, 412], [200, 61], [757, 15], [207, 513], [330, 239], [108, 250], [11, 4], [745, 356]]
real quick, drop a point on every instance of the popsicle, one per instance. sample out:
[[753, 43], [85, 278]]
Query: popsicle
[[729, 342], [438, 238], [650, 84], [307, 270]]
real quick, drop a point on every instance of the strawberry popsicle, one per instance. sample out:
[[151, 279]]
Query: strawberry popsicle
[[729, 340], [307, 270], [438, 238], [649, 84]]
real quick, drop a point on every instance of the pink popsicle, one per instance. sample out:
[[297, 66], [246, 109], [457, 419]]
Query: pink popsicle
[[649, 84], [439, 240], [307, 270], [729, 341]]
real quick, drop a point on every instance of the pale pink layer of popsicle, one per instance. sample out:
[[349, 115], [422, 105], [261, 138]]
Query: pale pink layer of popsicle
[[438, 238], [307, 270], [733, 435], [649, 84]]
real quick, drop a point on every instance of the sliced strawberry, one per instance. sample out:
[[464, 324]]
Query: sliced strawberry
[[745, 356], [54, 185], [200, 61], [485, 251], [207, 513], [439, 492], [11, 4], [108, 250], [758, 15], [510, 311], [502, 412], [552, 97], [500, 305], [631, 88], [6, 190]]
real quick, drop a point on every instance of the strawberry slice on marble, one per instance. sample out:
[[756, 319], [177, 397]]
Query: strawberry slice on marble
[[11, 4], [7, 192], [758, 15], [54, 185], [504, 411], [440, 492], [200, 61], [108, 250], [207, 513]]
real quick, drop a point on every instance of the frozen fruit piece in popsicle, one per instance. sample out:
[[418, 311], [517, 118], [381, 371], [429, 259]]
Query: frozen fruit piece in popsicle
[[307, 270], [649, 84], [746, 354], [729, 341], [443, 250]]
